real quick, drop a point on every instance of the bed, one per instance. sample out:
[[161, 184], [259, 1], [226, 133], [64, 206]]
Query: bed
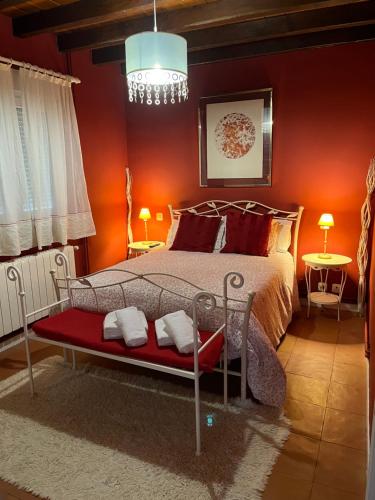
[[272, 278]]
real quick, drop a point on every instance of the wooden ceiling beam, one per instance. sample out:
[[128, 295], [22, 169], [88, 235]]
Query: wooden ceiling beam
[[285, 44], [83, 14], [6, 4], [280, 45], [219, 13], [261, 29]]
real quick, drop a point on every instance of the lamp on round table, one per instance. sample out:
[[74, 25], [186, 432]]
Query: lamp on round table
[[145, 215], [325, 222]]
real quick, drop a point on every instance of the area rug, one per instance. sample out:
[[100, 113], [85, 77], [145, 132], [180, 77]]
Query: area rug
[[98, 433]]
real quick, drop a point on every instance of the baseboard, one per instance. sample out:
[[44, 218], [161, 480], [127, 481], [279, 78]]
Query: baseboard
[[11, 342]]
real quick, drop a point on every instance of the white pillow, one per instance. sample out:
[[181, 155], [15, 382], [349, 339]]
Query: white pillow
[[220, 238], [172, 231], [280, 236]]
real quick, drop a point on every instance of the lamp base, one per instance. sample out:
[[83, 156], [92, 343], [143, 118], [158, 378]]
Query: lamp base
[[325, 256]]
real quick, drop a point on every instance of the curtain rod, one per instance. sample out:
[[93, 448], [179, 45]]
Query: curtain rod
[[20, 64]]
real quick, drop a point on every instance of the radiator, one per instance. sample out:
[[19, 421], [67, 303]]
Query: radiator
[[39, 288]]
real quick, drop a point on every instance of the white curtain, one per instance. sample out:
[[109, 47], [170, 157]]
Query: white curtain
[[43, 189]]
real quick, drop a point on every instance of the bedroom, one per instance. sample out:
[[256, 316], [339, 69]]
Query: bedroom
[[322, 81]]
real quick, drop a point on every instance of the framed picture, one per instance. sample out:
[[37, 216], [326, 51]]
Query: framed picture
[[235, 139]]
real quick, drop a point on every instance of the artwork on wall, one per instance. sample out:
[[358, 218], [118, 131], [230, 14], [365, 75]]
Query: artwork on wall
[[235, 139]]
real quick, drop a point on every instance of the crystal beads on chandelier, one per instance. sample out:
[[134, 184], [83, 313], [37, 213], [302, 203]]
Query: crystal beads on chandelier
[[173, 88]]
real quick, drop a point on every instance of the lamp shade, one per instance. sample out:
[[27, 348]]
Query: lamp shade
[[144, 214], [326, 221], [156, 67]]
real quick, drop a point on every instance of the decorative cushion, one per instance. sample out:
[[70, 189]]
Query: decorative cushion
[[196, 233], [220, 238], [247, 233], [85, 329]]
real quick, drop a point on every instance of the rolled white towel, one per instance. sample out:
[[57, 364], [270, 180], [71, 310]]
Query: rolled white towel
[[180, 328], [111, 329], [161, 333], [132, 326]]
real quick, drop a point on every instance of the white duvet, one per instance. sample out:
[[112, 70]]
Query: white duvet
[[272, 278]]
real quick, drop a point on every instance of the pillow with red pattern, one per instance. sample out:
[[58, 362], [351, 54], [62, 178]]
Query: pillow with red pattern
[[247, 233], [196, 233]]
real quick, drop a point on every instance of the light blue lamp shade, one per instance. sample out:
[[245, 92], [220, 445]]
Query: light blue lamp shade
[[156, 67]]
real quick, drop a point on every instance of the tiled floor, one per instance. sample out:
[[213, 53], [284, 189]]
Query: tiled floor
[[325, 455]]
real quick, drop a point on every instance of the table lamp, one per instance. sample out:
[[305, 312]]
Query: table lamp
[[145, 215], [325, 222]]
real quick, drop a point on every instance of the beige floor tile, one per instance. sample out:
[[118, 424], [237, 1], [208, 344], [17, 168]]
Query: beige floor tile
[[347, 429], [355, 334], [324, 330], [353, 375], [348, 398], [306, 418], [298, 457], [283, 357], [288, 343], [310, 365], [339, 465], [309, 347], [321, 492], [352, 354], [282, 487], [307, 389]]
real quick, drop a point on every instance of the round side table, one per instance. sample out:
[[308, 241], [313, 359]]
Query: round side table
[[337, 263], [139, 247]]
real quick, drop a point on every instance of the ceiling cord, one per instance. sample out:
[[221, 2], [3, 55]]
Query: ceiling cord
[[155, 27]]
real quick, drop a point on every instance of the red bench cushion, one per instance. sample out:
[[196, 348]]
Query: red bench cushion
[[85, 329]]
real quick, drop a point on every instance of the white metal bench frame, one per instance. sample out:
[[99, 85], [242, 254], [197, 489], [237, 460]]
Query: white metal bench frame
[[201, 298]]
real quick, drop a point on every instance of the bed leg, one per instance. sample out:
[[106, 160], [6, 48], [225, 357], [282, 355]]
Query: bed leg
[[74, 362], [243, 377], [65, 354], [29, 366], [197, 416]]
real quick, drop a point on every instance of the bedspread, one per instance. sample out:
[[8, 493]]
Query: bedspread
[[272, 278]]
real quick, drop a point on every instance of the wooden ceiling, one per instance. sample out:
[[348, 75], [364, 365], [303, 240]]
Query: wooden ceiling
[[214, 29]]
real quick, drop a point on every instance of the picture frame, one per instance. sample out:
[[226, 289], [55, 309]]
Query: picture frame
[[235, 139]]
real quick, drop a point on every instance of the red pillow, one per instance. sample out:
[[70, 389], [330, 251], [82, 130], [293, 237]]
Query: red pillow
[[247, 233], [196, 233]]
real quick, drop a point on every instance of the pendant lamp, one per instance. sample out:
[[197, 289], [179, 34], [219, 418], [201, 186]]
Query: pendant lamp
[[156, 67]]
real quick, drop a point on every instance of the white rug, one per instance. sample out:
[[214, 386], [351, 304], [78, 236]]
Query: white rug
[[104, 434]]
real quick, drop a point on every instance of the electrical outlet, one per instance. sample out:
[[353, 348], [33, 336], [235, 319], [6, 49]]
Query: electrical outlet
[[336, 288], [159, 216], [321, 286]]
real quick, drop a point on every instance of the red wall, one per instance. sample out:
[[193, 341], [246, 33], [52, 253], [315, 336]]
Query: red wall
[[323, 138], [100, 107], [39, 50], [99, 101]]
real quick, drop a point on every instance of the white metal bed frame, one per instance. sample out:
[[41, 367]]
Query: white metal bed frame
[[219, 207], [201, 298]]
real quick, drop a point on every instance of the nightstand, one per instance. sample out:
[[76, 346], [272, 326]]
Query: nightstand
[[336, 263], [139, 247]]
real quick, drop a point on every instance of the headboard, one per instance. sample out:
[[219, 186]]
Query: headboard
[[220, 207]]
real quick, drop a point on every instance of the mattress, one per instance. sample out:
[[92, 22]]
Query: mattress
[[272, 278]]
